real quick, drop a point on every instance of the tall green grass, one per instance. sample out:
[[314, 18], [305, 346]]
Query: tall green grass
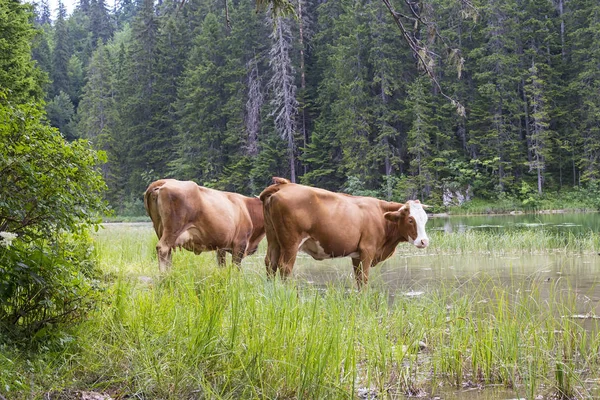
[[525, 241], [205, 332]]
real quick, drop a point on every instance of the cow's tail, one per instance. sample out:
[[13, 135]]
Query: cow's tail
[[274, 188], [151, 204], [151, 195]]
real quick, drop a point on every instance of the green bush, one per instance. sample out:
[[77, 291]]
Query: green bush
[[49, 197]]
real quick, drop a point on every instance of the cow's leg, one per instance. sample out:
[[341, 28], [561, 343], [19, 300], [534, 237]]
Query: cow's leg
[[237, 254], [253, 246], [221, 254], [272, 256], [272, 259], [164, 256], [287, 259], [361, 270]]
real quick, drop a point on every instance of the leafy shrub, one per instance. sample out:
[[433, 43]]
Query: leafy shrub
[[49, 197], [42, 284]]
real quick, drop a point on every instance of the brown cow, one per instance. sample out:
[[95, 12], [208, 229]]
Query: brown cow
[[199, 219], [327, 225]]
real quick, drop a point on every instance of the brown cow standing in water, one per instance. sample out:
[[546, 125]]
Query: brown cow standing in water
[[199, 219], [325, 224]]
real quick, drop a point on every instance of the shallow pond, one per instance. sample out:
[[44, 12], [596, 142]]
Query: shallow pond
[[559, 223], [412, 270], [414, 273]]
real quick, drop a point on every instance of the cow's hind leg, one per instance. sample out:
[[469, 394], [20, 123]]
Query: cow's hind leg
[[272, 259], [238, 252], [163, 251], [221, 254], [287, 259]]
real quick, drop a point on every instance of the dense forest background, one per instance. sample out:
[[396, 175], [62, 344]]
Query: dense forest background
[[227, 95]]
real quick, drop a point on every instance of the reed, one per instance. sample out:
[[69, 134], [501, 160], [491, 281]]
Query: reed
[[514, 242]]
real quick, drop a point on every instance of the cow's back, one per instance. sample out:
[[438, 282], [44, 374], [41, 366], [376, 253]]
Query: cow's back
[[308, 206], [336, 221]]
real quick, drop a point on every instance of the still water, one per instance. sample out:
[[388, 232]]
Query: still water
[[421, 270], [579, 224], [415, 272]]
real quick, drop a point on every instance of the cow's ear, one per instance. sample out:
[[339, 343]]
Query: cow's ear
[[396, 216], [393, 216]]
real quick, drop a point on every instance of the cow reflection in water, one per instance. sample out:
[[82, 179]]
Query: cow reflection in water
[[325, 225], [199, 219]]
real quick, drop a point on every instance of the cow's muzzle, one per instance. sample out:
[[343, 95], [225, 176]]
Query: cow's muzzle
[[421, 243]]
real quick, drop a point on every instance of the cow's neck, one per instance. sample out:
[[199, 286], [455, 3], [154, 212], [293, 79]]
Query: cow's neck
[[388, 206], [393, 235]]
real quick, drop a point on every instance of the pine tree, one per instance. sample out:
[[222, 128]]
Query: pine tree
[[322, 156], [40, 51], [496, 110], [201, 102], [60, 112], [387, 88], [43, 13], [143, 162], [253, 107], [420, 137], [61, 54], [540, 135], [584, 17], [100, 21], [99, 118], [18, 75]]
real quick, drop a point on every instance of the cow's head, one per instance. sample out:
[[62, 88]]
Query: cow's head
[[411, 219]]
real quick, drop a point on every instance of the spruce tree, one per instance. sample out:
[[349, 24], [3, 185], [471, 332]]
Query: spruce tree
[[494, 122], [584, 18], [18, 75], [101, 25], [540, 137], [60, 54], [200, 108], [143, 162], [99, 118]]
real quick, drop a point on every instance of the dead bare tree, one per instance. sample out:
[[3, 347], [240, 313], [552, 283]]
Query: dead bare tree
[[282, 84]]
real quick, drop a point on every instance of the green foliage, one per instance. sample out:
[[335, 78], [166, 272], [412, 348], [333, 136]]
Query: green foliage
[[61, 54], [60, 112], [49, 197], [356, 187], [18, 76], [44, 283], [183, 91]]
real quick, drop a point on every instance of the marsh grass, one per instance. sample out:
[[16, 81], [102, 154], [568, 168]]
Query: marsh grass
[[205, 332], [511, 242]]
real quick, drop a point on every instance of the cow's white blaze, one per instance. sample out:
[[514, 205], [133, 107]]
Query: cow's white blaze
[[420, 216]]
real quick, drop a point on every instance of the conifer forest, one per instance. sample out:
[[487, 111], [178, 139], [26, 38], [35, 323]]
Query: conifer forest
[[484, 99]]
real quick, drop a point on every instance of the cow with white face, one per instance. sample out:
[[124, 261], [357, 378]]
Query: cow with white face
[[411, 218], [326, 225]]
